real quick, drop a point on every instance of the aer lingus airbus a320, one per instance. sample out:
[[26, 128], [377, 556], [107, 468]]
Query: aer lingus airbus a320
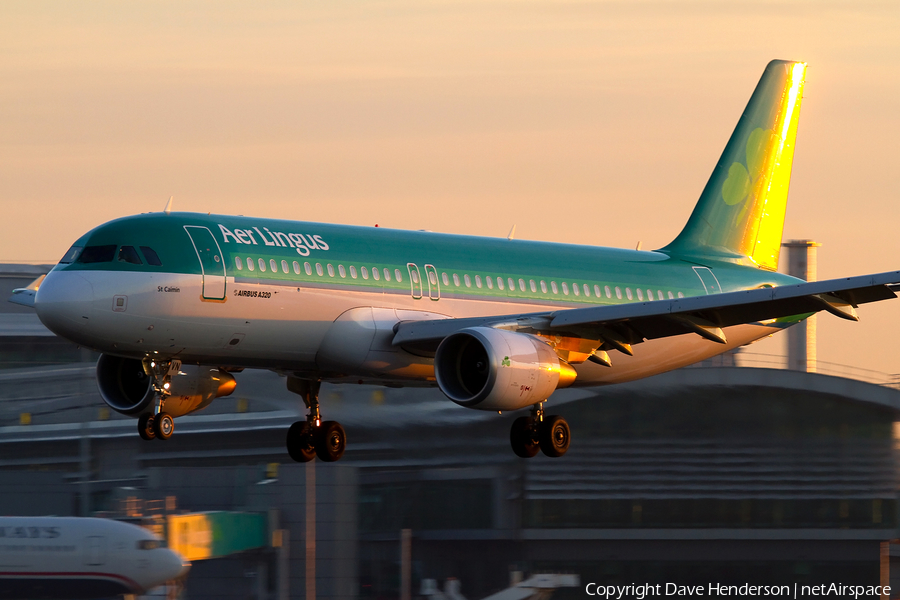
[[177, 302]]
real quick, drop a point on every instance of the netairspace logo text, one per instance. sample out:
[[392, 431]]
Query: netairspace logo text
[[713, 590]]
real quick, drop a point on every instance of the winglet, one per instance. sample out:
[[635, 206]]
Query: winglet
[[168, 208], [25, 296]]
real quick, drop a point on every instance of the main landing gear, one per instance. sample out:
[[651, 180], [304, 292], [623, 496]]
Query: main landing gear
[[548, 433], [158, 424], [313, 437]]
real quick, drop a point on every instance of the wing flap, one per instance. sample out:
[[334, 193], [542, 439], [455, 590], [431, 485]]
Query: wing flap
[[624, 324]]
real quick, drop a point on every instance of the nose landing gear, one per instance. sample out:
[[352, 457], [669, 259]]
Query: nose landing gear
[[313, 437], [549, 433], [159, 424]]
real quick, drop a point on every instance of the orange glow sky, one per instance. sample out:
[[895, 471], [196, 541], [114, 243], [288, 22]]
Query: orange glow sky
[[585, 122]]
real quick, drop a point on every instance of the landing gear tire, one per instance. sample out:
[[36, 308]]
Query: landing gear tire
[[554, 436], [331, 441], [299, 442], [145, 427], [521, 437], [163, 426]]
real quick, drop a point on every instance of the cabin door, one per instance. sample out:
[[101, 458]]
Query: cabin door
[[708, 279], [415, 281], [434, 288], [95, 550], [212, 263]]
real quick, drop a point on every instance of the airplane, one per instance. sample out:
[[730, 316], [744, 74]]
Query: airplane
[[179, 302], [80, 557]]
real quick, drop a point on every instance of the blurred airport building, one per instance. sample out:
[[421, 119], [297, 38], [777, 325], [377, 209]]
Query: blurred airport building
[[733, 471]]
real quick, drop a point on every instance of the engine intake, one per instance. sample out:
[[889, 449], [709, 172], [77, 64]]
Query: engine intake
[[493, 369], [127, 389]]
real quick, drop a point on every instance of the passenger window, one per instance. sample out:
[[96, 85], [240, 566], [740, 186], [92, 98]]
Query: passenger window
[[97, 254], [398, 275], [273, 265], [543, 286], [565, 287], [342, 271], [587, 290], [640, 294], [628, 293], [308, 268], [330, 270], [387, 274], [659, 294], [414, 275], [296, 266], [352, 271], [511, 283], [575, 289], [490, 282], [376, 274], [553, 287], [532, 285], [432, 277], [606, 290], [500, 282], [238, 263], [618, 293], [468, 280], [597, 290], [478, 281], [284, 266], [650, 295], [129, 255], [445, 279], [250, 264], [151, 256], [456, 280], [71, 255], [671, 297], [319, 270], [521, 285], [365, 272], [680, 295], [262, 265]]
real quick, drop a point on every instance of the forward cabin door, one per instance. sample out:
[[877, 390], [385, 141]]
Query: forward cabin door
[[708, 279], [212, 263], [94, 550]]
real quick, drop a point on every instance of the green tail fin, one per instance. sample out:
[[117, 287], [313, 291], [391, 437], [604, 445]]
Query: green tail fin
[[740, 214]]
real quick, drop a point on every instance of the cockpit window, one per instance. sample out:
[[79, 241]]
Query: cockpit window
[[151, 256], [129, 254], [71, 255], [148, 544], [97, 254]]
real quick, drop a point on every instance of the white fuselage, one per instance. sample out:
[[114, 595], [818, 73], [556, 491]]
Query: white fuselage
[[72, 557]]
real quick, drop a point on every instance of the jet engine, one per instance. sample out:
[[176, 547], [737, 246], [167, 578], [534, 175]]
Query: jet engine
[[493, 369], [126, 387]]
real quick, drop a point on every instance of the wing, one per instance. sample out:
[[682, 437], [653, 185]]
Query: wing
[[619, 326]]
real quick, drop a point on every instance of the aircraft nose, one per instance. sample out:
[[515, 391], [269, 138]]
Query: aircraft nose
[[63, 303], [176, 566]]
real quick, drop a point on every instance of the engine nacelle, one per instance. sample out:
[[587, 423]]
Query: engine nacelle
[[127, 389], [493, 369]]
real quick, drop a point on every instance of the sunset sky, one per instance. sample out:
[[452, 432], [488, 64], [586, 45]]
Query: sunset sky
[[584, 122]]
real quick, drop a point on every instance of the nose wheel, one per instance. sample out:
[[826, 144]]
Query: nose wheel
[[313, 437], [549, 434], [158, 424]]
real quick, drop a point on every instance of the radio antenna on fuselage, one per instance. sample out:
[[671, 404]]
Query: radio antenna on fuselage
[[168, 207], [512, 233]]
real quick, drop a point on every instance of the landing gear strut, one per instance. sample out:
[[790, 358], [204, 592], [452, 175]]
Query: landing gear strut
[[313, 437], [159, 424], [548, 433]]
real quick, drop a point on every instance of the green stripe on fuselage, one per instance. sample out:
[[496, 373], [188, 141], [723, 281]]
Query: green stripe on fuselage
[[381, 248]]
